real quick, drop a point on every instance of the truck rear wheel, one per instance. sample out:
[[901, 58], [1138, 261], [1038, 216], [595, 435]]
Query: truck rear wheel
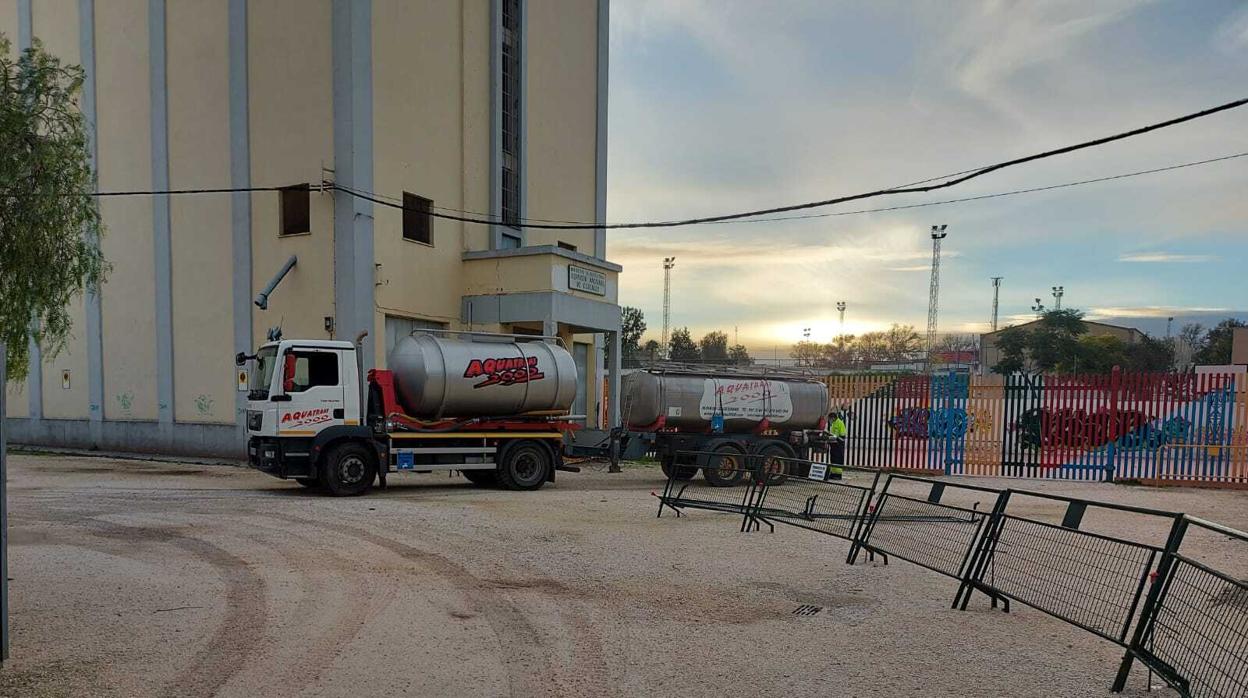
[[668, 465], [725, 466], [348, 470], [481, 478], [772, 457], [524, 465]]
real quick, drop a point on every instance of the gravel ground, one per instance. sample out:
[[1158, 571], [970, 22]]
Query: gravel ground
[[148, 578]]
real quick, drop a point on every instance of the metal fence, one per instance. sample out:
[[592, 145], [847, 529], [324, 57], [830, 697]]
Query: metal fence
[[1183, 618], [1154, 427]]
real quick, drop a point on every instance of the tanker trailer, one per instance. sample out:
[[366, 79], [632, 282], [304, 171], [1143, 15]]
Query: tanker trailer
[[493, 407], [710, 421]]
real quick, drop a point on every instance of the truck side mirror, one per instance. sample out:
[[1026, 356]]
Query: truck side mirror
[[240, 358]]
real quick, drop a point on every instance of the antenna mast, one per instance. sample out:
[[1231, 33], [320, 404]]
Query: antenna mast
[[933, 301], [996, 292], [668, 263]]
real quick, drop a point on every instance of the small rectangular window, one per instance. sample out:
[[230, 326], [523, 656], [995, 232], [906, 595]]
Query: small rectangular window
[[312, 369], [510, 242], [417, 223], [567, 246], [296, 205]]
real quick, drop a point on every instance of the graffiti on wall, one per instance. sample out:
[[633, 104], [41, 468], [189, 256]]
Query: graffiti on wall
[[1042, 427]]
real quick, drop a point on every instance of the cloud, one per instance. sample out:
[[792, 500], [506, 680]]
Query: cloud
[[917, 267], [1164, 257], [1153, 311]]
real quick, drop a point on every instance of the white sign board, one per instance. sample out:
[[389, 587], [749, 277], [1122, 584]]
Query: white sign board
[[587, 280], [752, 399], [818, 471]]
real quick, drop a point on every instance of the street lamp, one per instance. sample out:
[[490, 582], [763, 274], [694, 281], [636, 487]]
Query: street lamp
[[1057, 296]]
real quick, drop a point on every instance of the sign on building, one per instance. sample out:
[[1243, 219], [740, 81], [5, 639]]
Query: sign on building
[[587, 280]]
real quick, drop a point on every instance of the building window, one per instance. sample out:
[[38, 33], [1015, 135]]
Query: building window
[[512, 90], [296, 207], [567, 246], [417, 223]]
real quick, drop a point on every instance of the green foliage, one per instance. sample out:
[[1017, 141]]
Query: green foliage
[[632, 326], [681, 347], [740, 356], [897, 343], [1215, 346], [714, 348], [1059, 343], [49, 223]]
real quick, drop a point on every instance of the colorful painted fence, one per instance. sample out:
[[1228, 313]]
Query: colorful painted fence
[[1156, 427]]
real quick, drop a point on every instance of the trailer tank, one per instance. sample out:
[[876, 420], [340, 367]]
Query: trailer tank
[[689, 401], [442, 378]]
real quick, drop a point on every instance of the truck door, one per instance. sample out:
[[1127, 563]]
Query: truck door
[[312, 379]]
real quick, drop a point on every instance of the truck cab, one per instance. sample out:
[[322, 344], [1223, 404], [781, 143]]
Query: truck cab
[[304, 395]]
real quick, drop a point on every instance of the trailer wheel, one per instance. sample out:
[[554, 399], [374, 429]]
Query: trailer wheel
[[309, 482], [683, 472], [481, 478], [725, 466], [524, 465], [348, 470], [774, 465]]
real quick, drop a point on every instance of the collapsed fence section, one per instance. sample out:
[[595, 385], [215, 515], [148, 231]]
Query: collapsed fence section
[[732, 487], [1183, 618], [1193, 631]]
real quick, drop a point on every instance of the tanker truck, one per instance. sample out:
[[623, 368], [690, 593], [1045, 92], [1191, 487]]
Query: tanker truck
[[491, 406], [714, 422]]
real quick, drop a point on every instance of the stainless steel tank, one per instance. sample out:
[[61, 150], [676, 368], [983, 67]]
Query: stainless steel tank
[[437, 378], [689, 401]]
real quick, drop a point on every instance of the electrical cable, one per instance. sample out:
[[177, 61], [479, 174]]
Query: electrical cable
[[911, 188]]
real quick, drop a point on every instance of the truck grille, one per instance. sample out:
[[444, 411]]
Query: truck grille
[[255, 420]]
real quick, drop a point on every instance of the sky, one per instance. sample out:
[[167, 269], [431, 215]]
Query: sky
[[722, 105]]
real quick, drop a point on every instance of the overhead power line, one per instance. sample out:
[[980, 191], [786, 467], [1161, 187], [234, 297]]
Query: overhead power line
[[753, 216]]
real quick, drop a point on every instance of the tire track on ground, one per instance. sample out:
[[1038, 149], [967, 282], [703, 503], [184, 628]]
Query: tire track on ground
[[525, 654]]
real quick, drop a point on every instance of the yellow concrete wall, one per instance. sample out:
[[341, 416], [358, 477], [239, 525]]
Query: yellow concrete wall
[[561, 122], [123, 109], [15, 400], [56, 25], [290, 70], [199, 157], [417, 148], [540, 272]]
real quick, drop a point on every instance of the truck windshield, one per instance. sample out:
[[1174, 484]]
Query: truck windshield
[[262, 376]]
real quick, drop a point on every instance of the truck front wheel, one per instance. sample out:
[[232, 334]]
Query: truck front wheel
[[525, 465], [348, 470]]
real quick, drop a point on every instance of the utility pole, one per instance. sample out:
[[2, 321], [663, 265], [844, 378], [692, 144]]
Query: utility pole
[[668, 263], [996, 293], [933, 301], [1169, 325], [840, 308], [1057, 297]]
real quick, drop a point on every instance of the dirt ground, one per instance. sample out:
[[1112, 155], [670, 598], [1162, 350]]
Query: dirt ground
[[148, 578]]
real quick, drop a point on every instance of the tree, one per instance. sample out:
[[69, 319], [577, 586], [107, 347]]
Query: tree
[[901, 342], [650, 350], [1216, 347], [1012, 344], [740, 356], [632, 326], [1193, 335], [871, 347], [1101, 353], [1149, 354], [714, 348], [681, 347], [49, 223], [805, 353]]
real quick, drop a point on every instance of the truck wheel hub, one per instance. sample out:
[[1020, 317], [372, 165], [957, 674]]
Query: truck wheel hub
[[351, 470]]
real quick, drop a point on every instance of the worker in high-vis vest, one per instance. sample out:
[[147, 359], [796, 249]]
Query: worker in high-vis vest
[[837, 432]]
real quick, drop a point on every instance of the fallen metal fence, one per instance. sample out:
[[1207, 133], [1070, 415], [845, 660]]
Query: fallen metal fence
[[1193, 630], [1090, 580], [687, 488], [927, 532], [1190, 619]]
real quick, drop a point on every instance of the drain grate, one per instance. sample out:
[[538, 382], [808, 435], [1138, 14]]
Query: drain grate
[[807, 610]]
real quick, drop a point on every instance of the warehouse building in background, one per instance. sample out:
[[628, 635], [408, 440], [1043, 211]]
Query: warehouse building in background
[[485, 109]]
